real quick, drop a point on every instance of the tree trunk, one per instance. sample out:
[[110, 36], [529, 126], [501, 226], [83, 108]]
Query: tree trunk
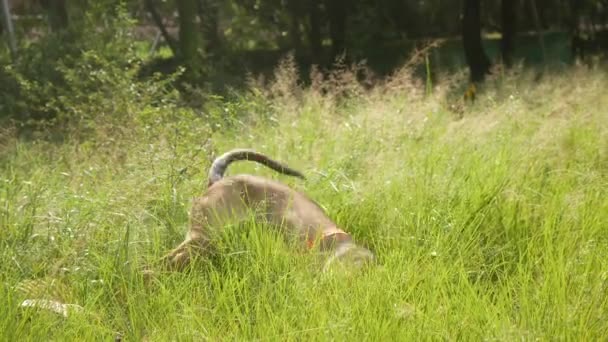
[[478, 61], [314, 32], [57, 14], [509, 24], [209, 14], [539, 29], [337, 10], [577, 44], [189, 39], [8, 22]]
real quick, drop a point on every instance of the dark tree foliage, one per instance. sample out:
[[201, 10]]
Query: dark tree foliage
[[235, 34], [314, 30], [337, 12], [159, 22], [57, 14]]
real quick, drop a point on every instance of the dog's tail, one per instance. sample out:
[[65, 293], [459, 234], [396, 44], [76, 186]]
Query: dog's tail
[[220, 164]]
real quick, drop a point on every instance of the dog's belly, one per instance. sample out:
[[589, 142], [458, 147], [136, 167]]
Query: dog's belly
[[296, 215], [302, 218]]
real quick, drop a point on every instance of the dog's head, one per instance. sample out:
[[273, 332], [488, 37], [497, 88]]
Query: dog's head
[[349, 255]]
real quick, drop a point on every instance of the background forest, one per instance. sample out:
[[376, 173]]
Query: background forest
[[221, 42]]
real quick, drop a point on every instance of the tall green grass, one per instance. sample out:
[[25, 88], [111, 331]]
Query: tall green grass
[[491, 226]]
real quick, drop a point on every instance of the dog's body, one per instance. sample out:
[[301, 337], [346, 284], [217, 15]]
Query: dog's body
[[233, 199]]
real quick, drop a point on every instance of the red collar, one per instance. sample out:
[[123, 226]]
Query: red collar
[[329, 237]]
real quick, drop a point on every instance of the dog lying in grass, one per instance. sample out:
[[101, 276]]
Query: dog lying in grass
[[232, 200]]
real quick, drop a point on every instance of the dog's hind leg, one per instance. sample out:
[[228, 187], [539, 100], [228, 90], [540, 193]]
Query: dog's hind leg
[[197, 239], [208, 212]]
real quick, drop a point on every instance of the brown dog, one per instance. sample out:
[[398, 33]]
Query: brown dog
[[232, 199]]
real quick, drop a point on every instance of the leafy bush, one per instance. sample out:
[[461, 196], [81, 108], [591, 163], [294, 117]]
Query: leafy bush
[[95, 54]]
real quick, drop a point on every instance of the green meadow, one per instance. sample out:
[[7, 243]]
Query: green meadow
[[489, 220]]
